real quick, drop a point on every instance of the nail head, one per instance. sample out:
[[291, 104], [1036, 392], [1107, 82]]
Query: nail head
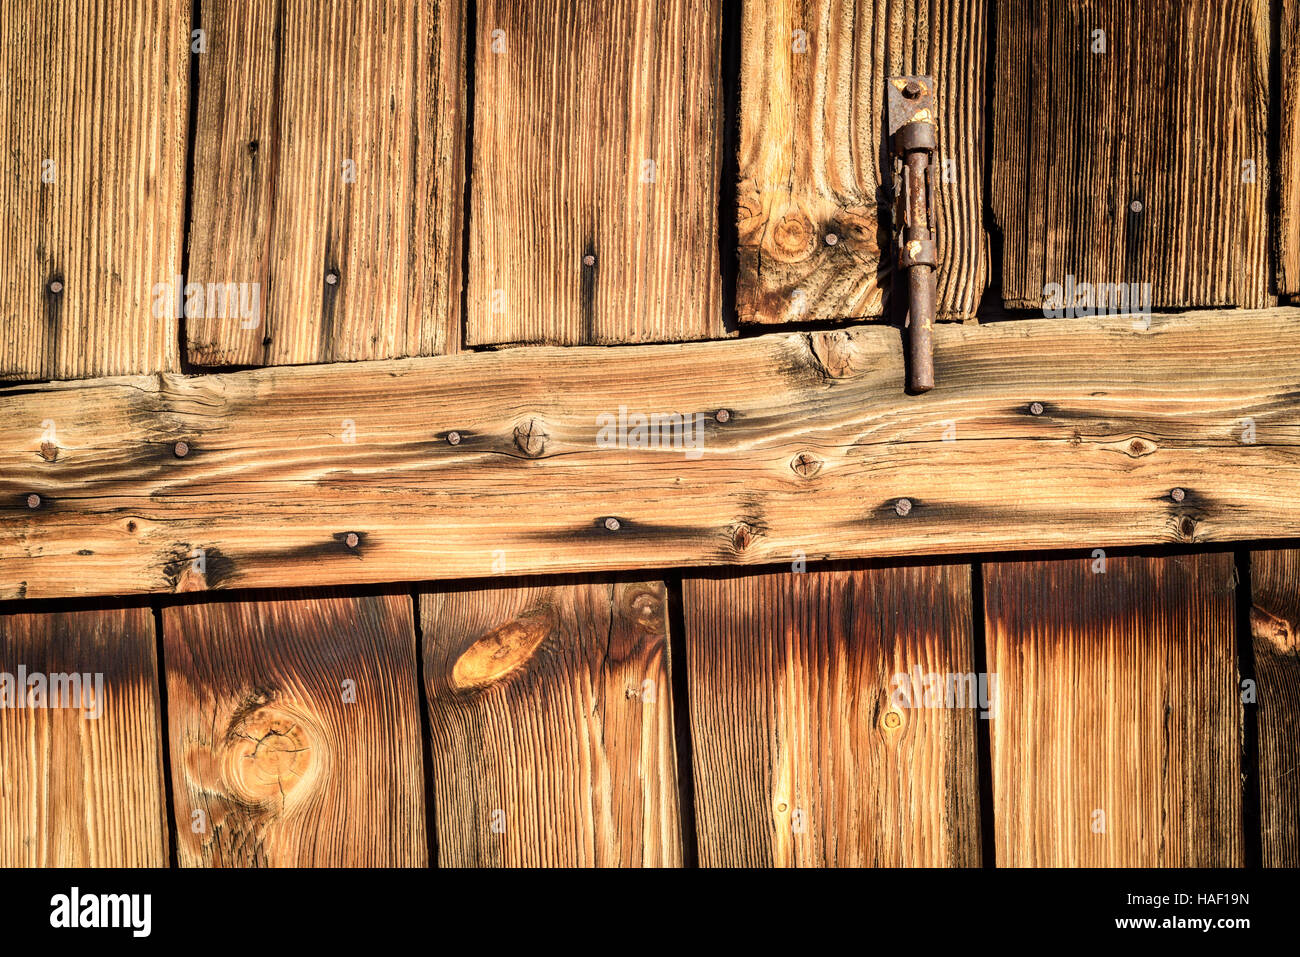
[[33, 501], [182, 449], [613, 524], [1035, 408], [1136, 206], [331, 277], [1178, 495], [352, 540], [723, 415], [832, 239], [912, 90], [453, 438], [903, 506], [56, 286], [589, 260]]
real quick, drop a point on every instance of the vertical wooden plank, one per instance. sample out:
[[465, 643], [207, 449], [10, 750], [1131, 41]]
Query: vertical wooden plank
[[328, 172], [551, 716], [1288, 225], [815, 161], [295, 732], [597, 151], [81, 785], [1275, 629], [92, 182], [803, 753], [1117, 742], [1129, 145]]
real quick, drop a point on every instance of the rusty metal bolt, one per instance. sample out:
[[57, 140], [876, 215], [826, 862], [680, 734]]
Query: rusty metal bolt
[[912, 90], [1035, 408], [1178, 495], [182, 449], [723, 416], [453, 438], [56, 287], [832, 239], [613, 524], [33, 501], [589, 260], [903, 506], [352, 540]]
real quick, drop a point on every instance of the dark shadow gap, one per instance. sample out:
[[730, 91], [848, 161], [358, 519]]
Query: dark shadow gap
[[728, 229], [1251, 837], [467, 168], [682, 722], [983, 738], [173, 835], [191, 136], [426, 735]]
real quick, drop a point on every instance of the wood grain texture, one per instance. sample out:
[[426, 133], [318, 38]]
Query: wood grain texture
[[92, 182], [329, 143], [1275, 629], [572, 100], [1287, 230], [1118, 696], [819, 444], [81, 785], [804, 752], [551, 715], [1130, 165], [295, 733], [815, 160]]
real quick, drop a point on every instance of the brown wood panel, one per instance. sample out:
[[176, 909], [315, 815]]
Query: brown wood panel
[[1133, 165], [574, 236], [1141, 437], [81, 784], [328, 177], [1275, 628], [1117, 738], [551, 715], [92, 184], [810, 748], [815, 162], [1287, 230], [295, 732]]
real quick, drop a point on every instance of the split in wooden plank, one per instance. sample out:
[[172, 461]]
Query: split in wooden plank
[[551, 716], [597, 160], [328, 182], [295, 732], [1130, 146], [92, 182], [814, 743], [815, 193], [1042, 434], [1275, 628], [1117, 735], [1287, 230], [81, 773]]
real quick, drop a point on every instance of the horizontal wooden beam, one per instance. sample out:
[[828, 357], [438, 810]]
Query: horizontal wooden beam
[[1042, 434]]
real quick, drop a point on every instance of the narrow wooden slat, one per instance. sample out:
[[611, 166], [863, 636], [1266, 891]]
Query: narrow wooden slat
[[81, 785], [551, 716], [814, 159], [1117, 737], [1287, 231], [295, 732], [818, 446], [1143, 162], [92, 183], [329, 145], [809, 747], [597, 133], [1275, 628]]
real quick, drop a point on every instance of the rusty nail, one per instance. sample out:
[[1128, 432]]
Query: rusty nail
[[453, 438], [1178, 495], [33, 501], [1035, 408], [903, 506], [56, 286], [912, 90], [352, 540], [723, 416], [832, 239], [182, 449], [589, 260], [613, 524], [1136, 205]]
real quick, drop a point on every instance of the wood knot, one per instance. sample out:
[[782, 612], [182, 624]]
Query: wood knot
[[742, 536], [835, 352], [806, 465], [793, 238], [1140, 447], [267, 754], [501, 651], [645, 607], [49, 451], [530, 437]]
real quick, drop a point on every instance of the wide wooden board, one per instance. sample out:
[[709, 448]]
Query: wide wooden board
[[1287, 231], [1130, 146], [812, 738], [1275, 630], [1118, 730], [1185, 432], [295, 732], [596, 163], [92, 184], [81, 784], [815, 195], [551, 715], [328, 181]]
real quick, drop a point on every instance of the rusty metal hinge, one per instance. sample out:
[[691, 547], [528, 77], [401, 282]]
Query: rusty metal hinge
[[914, 137]]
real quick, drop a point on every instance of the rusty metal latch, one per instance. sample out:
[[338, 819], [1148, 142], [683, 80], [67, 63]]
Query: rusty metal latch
[[914, 137]]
